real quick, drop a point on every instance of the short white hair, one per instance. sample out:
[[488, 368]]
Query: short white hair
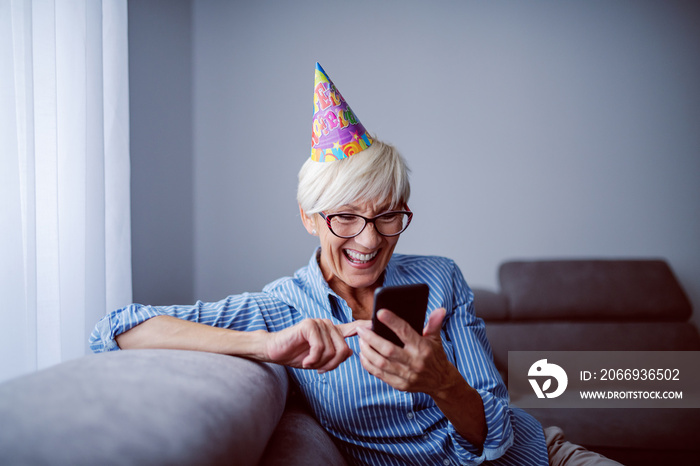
[[378, 174]]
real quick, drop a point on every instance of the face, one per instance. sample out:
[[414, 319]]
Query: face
[[352, 263]]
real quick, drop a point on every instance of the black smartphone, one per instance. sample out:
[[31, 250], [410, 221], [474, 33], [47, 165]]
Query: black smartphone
[[410, 302]]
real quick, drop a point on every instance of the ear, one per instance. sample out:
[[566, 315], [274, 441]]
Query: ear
[[309, 222]]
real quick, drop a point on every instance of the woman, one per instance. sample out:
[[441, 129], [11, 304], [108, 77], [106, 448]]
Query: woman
[[415, 395], [437, 400]]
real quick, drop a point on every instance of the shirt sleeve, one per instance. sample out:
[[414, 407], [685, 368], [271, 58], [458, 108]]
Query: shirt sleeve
[[238, 312], [465, 335]]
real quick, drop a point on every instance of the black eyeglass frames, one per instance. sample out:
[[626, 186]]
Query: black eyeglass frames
[[345, 225]]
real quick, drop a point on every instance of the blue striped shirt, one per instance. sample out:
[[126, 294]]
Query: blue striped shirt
[[372, 422]]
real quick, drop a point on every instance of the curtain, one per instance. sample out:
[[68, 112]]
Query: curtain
[[65, 247]]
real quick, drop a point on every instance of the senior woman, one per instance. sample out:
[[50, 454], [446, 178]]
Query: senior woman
[[437, 400]]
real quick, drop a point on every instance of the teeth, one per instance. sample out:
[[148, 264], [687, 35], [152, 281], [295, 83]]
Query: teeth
[[356, 256]]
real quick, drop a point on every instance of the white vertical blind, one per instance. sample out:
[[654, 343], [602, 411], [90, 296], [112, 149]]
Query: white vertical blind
[[65, 250]]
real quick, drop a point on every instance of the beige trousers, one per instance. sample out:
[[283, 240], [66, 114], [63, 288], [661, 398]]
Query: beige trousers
[[564, 453]]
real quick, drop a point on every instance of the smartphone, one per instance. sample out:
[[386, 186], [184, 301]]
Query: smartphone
[[410, 302]]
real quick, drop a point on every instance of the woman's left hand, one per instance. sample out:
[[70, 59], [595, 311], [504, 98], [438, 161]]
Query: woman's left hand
[[420, 366]]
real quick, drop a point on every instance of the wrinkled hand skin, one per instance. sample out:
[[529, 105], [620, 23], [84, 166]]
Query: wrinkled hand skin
[[420, 366], [312, 344]]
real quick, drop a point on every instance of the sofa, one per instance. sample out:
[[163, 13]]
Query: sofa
[[158, 407], [170, 407], [598, 305]]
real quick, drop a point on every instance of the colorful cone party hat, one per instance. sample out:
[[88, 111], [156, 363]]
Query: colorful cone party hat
[[337, 133]]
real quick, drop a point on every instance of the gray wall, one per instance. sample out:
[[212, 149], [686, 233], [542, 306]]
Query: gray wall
[[162, 194], [539, 129]]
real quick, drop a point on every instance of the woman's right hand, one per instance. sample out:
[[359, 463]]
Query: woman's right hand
[[312, 344]]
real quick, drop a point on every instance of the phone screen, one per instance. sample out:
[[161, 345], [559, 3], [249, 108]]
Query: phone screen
[[409, 302]]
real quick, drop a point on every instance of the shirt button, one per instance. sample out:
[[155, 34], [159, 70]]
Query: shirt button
[[409, 415], [426, 436], [446, 462]]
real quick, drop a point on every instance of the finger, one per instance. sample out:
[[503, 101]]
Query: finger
[[381, 353], [341, 350], [373, 359], [400, 327], [315, 342], [380, 367], [319, 344], [350, 329], [434, 325], [378, 344], [327, 331]]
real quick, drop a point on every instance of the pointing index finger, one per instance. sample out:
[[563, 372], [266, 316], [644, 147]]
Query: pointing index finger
[[350, 329]]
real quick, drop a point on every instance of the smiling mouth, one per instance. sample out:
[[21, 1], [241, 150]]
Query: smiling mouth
[[358, 258]]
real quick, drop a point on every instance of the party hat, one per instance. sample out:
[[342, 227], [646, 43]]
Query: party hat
[[337, 133]]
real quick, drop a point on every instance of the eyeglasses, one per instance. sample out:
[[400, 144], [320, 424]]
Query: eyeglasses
[[391, 223]]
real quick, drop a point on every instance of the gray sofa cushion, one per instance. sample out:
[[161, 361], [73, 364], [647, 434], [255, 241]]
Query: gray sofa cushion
[[138, 407], [639, 428], [299, 440], [588, 336], [641, 290], [490, 305]]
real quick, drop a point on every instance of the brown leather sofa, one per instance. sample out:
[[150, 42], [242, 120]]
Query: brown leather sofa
[[599, 305]]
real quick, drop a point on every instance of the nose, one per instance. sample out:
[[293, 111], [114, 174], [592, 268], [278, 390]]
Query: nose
[[369, 237]]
